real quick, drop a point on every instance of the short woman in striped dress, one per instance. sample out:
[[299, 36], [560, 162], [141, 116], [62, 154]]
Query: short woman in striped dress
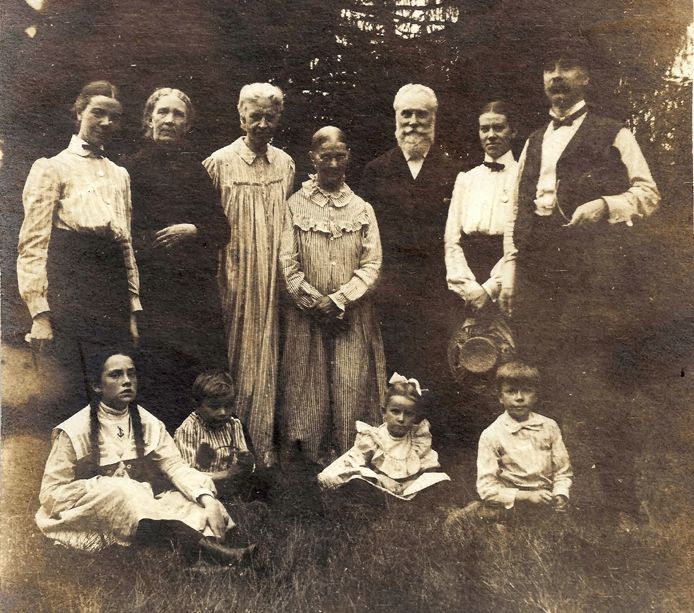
[[333, 371]]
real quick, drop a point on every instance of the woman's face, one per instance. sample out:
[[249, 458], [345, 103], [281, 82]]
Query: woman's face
[[99, 120], [118, 382], [169, 120], [330, 161]]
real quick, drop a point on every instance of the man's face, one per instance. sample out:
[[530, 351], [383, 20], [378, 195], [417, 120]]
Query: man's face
[[415, 121], [99, 120], [169, 119], [259, 120], [495, 134], [517, 399], [565, 83], [118, 382]]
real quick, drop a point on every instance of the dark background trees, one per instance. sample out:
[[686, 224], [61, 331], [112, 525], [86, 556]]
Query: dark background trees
[[341, 62]]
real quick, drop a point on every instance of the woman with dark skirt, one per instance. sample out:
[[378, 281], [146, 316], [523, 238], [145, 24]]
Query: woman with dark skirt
[[178, 228], [76, 266]]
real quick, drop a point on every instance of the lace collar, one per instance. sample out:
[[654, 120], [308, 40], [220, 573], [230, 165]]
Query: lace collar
[[321, 197]]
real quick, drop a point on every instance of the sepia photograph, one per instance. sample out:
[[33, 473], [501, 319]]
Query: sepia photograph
[[346, 306]]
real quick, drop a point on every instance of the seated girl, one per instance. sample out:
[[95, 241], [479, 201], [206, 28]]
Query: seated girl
[[395, 457], [114, 477]]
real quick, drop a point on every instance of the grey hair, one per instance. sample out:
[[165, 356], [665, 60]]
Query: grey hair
[[416, 88], [152, 102], [254, 91]]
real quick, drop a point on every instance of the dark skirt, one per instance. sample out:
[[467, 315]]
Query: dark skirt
[[88, 287]]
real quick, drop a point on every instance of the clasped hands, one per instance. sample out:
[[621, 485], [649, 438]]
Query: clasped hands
[[558, 501], [327, 312]]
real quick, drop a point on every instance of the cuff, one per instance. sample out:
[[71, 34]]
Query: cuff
[[508, 275], [561, 489], [618, 211], [491, 286], [203, 491], [507, 497], [135, 304], [339, 300], [306, 296], [37, 304]]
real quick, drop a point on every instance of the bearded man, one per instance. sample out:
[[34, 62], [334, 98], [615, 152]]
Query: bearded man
[[410, 187]]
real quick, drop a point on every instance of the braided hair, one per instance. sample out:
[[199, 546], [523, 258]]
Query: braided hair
[[96, 370]]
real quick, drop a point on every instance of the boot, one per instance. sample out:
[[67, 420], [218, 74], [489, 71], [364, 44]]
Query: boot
[[212, 550]]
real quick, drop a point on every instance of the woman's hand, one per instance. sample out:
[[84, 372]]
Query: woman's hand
[[172, 235], [217, 517], [41, 334], [134, 331], [327, 308]]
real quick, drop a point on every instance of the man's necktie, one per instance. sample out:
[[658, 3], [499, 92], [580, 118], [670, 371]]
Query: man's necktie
[[494, 166], [568, 121]]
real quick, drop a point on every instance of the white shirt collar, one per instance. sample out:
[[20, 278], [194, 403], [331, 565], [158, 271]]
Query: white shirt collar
[[248, 155], [76, 146], [576, 107], [506, 159]]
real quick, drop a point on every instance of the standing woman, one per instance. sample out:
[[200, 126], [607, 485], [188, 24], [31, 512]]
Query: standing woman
[[333, 371], [76, 267], [179, 227]]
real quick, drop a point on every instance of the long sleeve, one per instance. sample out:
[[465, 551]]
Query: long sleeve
[[489, 486], [187, 440], [642, 197], [350, 463], [129, 252], [210, 220], [366, 276], [459, 276], [301, 291], [40, 197], [190, 482], [59, 488], [561, 465]]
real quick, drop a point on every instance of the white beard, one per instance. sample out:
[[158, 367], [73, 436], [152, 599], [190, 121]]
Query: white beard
[[415, 145]]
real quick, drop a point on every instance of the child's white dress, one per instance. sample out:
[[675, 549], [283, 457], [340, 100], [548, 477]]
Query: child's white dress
[[409, 460]]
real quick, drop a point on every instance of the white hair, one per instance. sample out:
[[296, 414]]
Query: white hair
[[416, 88], [254, 91]]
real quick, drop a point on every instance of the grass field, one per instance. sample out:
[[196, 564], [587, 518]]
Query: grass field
[[400, 559]]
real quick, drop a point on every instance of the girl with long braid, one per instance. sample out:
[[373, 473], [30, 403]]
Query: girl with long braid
[[115, 477]]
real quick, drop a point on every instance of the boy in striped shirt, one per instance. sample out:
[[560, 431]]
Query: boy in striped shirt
[[214, 441]]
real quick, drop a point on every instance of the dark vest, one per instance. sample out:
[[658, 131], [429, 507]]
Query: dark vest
[[590, 167]]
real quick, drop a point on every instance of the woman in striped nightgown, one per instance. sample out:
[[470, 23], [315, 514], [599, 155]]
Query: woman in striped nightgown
[[333, 371]]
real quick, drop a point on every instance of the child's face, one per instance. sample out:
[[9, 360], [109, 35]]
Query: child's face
[[518, 399], [118, 382], [399, 415], [215, 412]]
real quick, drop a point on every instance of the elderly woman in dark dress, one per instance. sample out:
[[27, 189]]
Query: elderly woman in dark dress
[[178, 228]]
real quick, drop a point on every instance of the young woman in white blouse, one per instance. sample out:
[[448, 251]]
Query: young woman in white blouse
[[76, 267]]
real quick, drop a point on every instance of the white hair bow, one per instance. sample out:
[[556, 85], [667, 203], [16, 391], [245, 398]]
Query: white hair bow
[[396, 378]]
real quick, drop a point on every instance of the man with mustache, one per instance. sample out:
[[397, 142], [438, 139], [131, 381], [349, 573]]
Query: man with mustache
[[570, 279], [409, 187]]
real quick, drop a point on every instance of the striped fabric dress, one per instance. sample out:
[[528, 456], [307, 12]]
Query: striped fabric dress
[[330, 378], [253, 191]]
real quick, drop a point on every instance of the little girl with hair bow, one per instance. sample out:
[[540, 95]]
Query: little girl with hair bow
[[395, 457]]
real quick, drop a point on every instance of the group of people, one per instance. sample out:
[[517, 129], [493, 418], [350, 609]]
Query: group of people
[[191, 260]]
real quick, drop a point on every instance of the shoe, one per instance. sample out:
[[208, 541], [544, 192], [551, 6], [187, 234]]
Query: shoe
[[212, 550]]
